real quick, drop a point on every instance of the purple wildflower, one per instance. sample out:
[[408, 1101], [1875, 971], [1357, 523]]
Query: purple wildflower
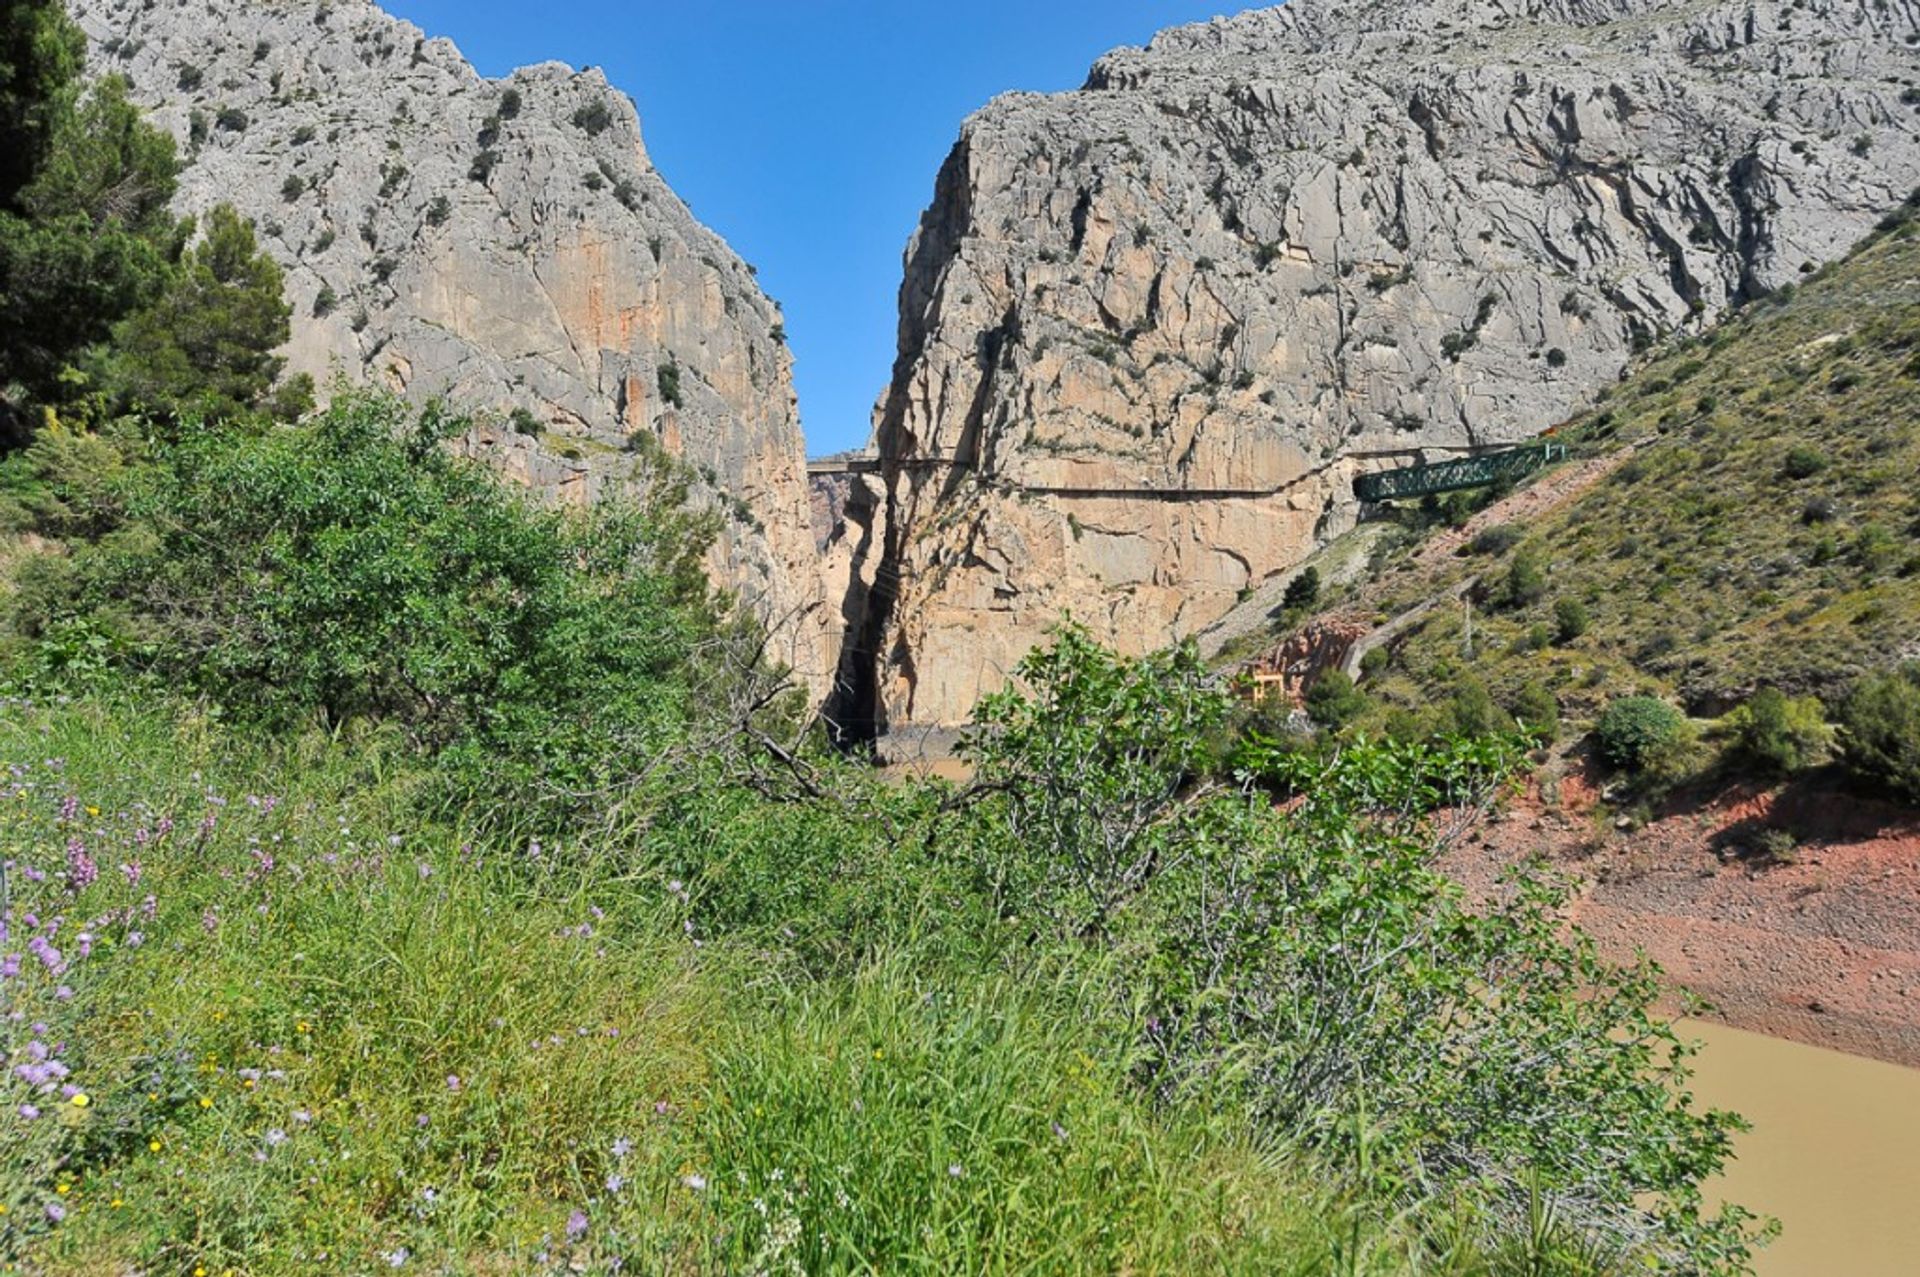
[[576, 1226], [81, 871]]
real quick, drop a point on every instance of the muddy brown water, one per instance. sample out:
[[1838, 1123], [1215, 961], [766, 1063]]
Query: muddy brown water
[[1834, 1153]]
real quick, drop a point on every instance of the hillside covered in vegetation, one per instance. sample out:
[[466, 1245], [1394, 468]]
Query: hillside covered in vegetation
[[1749, 558]]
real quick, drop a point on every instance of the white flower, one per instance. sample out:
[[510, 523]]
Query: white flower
[[696, 1182]]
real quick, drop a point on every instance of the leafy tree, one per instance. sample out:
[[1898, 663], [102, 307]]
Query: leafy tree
[[1093, 764], [1880, 731], [206, 345], [1780, 733], [352, 570], [1635, 728]]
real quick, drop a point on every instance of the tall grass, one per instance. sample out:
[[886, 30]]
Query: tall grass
[[319, 1031]]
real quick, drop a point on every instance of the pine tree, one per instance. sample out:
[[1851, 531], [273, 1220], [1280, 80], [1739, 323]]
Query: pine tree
[[206, 346], [85, 237]]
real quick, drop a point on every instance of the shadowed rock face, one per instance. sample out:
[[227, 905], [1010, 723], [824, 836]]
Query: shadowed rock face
[[503, 244], [1151, 330]]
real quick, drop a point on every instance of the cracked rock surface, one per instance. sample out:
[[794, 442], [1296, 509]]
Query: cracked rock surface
[[1151, 330], [506, 245]]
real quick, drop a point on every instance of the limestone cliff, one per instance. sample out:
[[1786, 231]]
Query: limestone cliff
[[505, 244], [1151, 330]]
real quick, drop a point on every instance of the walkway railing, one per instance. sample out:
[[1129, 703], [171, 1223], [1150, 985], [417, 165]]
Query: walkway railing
[[1458, 475]]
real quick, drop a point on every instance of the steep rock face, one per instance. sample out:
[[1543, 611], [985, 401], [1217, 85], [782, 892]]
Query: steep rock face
[[506, 245], [1151, 330]]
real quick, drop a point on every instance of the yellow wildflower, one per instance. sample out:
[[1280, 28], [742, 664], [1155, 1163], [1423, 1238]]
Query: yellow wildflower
[[153, 1146], [205, 1103], [81, 1100]]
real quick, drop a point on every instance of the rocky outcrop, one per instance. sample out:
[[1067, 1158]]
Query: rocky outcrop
[[1151, 330], [506, 245]]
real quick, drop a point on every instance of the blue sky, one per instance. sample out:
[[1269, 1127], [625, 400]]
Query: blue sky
[[808, 133]]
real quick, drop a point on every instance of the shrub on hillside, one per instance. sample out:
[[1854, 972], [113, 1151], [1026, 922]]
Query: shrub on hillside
[[1538, 710], [1803, 461], [1497, 540], [1780, 733], [1303, 591], [1635, 728], [1470, 710], [1526, 581], [1880, 732], [1333, 701], [1570, 620]]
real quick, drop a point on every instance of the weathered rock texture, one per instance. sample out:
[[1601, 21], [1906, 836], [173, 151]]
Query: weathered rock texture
[[1151, 330], [503, 244]]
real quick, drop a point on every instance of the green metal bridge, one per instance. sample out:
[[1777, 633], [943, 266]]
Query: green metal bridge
[[1459, 474]]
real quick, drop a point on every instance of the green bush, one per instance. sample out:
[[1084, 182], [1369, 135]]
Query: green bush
[[1333, 701], [1780, 733], [1498, 539], [1471, 711], [1570, 620], [1526, 580], [594, 118], [1803, 462], [669, 378], [1635, 728], [1880, 732], [1538, 710], [1303, 591], [351, 569]]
